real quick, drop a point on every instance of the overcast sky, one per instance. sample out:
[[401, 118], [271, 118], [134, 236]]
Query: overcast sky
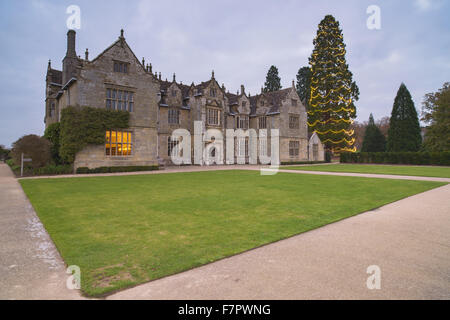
[[240, 40]]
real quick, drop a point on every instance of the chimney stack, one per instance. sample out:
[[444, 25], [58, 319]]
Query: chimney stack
[[242, 89], [86, 55], [71, 60], [71, 44]]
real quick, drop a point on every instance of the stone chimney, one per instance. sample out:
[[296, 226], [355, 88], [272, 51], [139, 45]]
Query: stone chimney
[[70, 61], [242, 89], [71, 52]]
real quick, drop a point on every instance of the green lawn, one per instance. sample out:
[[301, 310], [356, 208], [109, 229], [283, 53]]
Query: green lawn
[[424, 171], [126, 230]]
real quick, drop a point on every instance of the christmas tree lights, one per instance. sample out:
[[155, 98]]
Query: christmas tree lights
[[333, 92]]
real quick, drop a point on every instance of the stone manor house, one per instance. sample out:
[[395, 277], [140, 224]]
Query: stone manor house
[[117, 80]]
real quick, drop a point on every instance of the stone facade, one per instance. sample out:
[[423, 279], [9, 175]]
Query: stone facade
[[116, 79]]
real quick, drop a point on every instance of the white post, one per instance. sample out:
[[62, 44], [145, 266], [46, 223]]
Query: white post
[[21, 165]]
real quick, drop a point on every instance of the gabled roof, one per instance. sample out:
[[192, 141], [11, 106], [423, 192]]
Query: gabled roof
[[273, 98], [56, 76], [164, 85], [122, 41], [232, 98]]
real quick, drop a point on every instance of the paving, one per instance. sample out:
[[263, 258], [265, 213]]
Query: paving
[[408, 240], [30, 265]]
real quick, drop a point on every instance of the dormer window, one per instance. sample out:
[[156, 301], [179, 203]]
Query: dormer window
[[121, 67], [244, 103], [212, 92], [174, 93], [294, 102], [262, 103]]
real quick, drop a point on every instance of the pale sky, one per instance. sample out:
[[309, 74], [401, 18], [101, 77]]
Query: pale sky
[[240, 40]]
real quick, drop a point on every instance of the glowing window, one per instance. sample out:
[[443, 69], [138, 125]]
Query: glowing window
[[118, 143]]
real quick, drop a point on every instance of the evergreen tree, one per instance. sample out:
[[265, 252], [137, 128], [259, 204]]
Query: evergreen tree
[[374, 140], [404, 128], [273, 81], [436, 112], [304, 84], [333, 92]]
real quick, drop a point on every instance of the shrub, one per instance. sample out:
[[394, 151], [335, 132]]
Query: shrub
[[328, 155], [53, 170], [85, 170], [417, 158], [4, 153], [52, 134], [34, 147]]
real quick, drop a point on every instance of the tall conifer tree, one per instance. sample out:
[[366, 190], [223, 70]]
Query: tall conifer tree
[[404, 127], [374, 141], [333, 91], [273, 81], [304, 84]]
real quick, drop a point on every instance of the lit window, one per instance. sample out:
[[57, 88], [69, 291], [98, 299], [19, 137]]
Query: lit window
[[118, 143], [119, 100]]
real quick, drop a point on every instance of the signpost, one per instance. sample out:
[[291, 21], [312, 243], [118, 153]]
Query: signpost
[[21, 164]]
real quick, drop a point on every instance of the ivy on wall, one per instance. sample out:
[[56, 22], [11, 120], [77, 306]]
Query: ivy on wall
[[81, 126]]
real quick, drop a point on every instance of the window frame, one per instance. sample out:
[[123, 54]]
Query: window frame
[[115, 97], [294, 148], [171, 145], [262, 120], [294, 121], [129, 143], [173, 114], [121, 66], [210, 110]]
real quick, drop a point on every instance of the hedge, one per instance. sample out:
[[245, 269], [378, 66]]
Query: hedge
[[116, 169], [301, 162], [417, 158], [41, 171]]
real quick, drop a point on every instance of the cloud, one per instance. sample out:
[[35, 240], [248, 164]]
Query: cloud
[[240, 40], [422, 4], [426, 5]]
